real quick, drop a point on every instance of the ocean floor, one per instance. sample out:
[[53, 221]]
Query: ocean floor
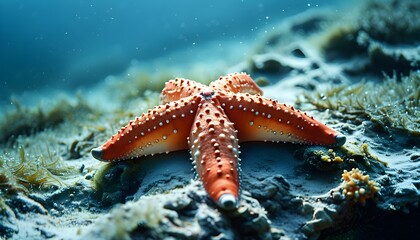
[[357, 72]]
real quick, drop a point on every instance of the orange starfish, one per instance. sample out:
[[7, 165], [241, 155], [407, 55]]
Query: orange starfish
[[211, 121]]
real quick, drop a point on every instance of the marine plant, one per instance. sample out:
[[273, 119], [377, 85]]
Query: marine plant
[[31, 172], [393, 104]]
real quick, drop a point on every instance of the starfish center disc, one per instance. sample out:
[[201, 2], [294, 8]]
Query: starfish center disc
[[207, 93]]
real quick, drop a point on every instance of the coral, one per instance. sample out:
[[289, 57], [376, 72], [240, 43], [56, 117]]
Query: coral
[[356, 187], [23, 204], [268, 64], [391, 104]]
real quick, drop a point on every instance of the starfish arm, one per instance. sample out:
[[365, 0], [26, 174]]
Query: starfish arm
[[260, 119], [164, 128], [179, 88], [214, 149], [235, 83]]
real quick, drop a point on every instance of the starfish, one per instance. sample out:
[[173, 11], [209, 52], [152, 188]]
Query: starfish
[[211, 121]]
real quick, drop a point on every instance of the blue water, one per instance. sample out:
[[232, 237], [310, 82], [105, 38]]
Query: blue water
[[49, 44]]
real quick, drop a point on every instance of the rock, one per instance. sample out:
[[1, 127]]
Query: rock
[[8, 222], [269, 64], [213, 224], [298, 53], [272, 192], [22, 204], [321, 220]]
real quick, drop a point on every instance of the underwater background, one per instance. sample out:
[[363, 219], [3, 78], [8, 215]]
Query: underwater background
[[74, 72], [49, 45]]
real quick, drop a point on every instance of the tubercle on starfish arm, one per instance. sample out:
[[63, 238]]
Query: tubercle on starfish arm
[[268, 120], [180, 88], [210, 121], [236, 83], [164, 128], [215, 162]]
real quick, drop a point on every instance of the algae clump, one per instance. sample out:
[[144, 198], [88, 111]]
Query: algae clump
[[394, 105]]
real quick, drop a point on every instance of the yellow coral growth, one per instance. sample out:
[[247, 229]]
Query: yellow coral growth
[[357, 186]]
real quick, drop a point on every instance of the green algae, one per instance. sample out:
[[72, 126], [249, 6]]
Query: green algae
[[393, 104]]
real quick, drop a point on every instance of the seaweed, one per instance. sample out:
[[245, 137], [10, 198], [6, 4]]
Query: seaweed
[[31, 172], [393, 105]]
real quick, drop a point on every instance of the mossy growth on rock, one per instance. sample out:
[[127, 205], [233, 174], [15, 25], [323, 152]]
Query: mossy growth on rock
[[341, 42], [24, 120], [392, 104], [113, 182], [392, 21], [320, 158], [382, 37], [359, 154]]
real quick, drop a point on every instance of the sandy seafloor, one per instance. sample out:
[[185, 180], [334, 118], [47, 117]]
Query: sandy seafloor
[[357, 72]]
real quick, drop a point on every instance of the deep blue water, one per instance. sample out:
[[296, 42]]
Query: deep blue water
[[70, 44]]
